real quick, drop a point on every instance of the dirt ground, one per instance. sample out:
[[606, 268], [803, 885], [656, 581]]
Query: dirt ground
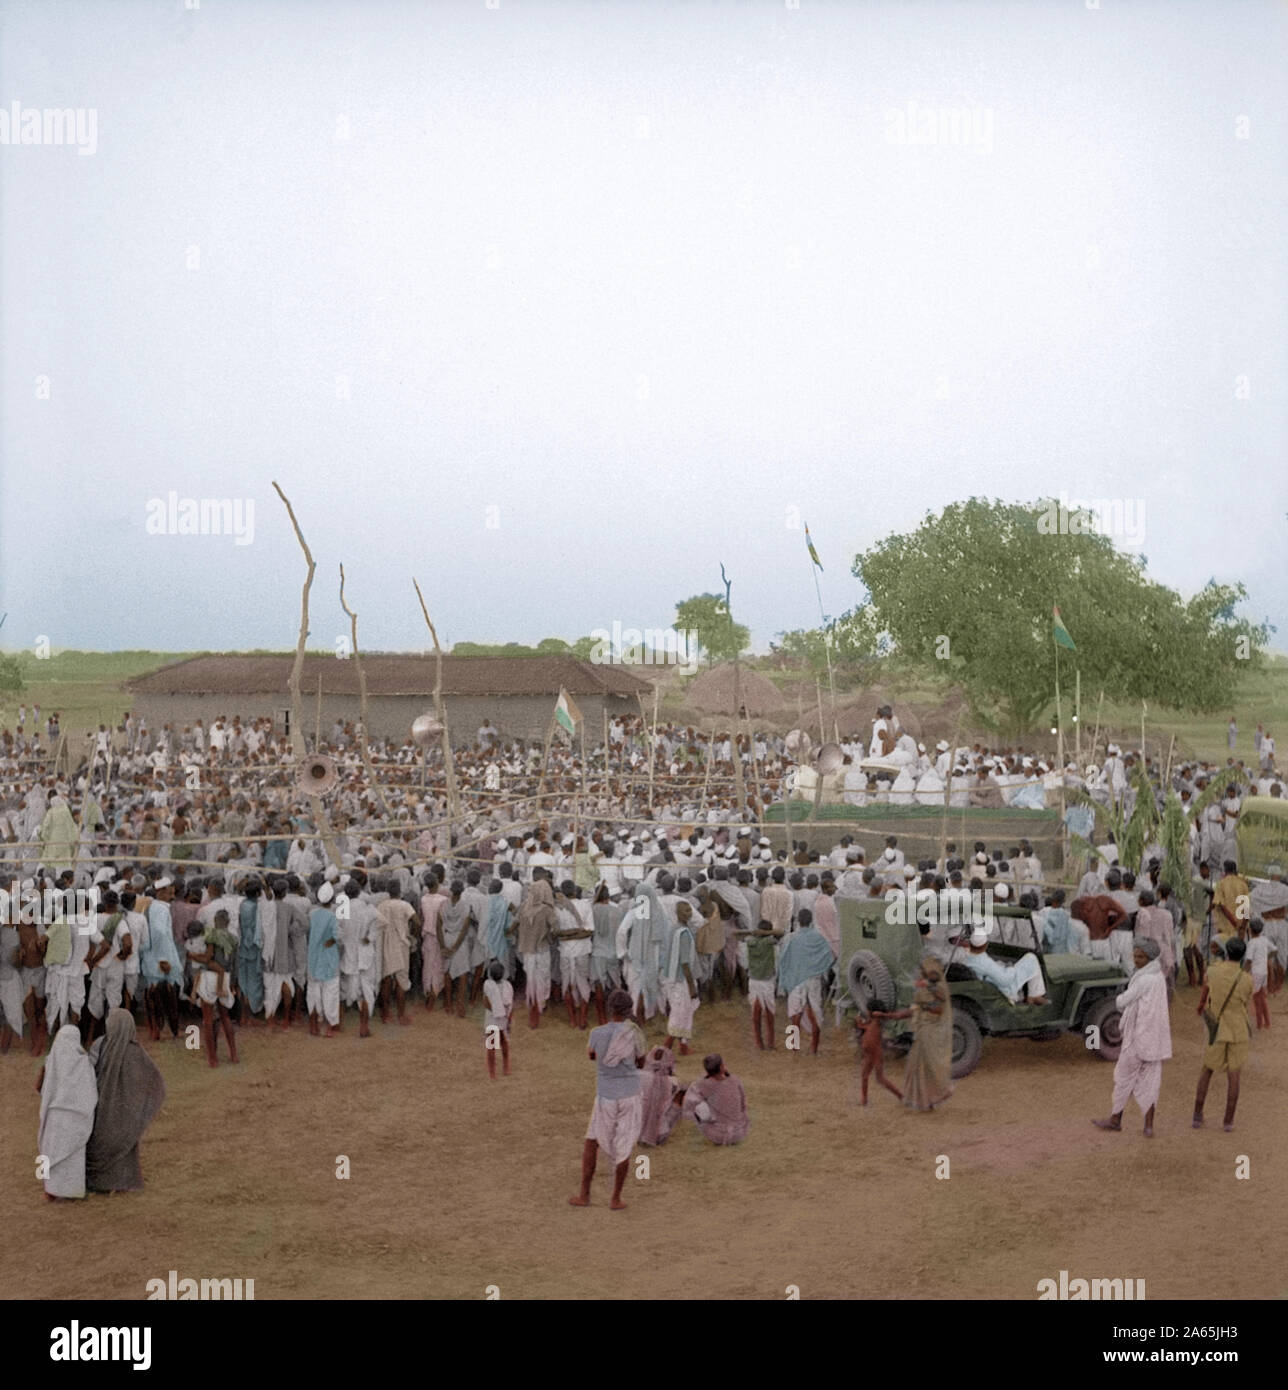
[[458, 1183]]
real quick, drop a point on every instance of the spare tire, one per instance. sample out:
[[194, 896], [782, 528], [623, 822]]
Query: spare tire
[[870, 984]]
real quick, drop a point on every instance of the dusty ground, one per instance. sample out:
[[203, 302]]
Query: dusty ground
[[459, 1183]]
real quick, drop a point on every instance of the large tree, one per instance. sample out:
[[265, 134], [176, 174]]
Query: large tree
[[973, 587], [719, 637], [854, 639]]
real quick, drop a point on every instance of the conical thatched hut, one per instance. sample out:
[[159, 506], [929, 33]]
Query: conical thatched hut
[[713, 692]]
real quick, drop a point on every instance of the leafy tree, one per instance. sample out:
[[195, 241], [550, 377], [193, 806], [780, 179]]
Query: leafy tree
[[855, 639], [11, 681], [553, 646], [973, 587], [718, 635]]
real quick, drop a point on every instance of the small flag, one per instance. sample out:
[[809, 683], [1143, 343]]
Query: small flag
[[813, 554], [567, 715], [1060, 632]]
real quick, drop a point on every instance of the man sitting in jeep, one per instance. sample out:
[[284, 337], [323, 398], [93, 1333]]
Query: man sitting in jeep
[[1022, 978]]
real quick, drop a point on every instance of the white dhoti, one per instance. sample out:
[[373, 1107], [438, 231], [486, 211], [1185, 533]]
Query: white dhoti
[[106, 983], [1136, 1079], [615, 1126], [681, 1009], [65, 992], [811, 993], [606, 971], [761, 992], [273, 991], [368, 987], [575, 971], [324, 998], [33, 980], [208, 989], [536, 970]]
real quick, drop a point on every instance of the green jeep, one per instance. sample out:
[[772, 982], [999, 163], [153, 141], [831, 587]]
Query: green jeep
[[880, 958]]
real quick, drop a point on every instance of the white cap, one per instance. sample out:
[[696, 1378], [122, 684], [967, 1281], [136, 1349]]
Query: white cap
[[942, 746], [163, 883], [744, 831], [979, 937], [325, 893], [1002, 891]]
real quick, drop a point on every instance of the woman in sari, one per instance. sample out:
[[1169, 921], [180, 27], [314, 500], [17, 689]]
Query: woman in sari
[[130, 1092], [929, 1078], [657, 1091], [68, 1093]]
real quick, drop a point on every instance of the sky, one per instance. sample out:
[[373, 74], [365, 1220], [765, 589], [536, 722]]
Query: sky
[[557, 306]]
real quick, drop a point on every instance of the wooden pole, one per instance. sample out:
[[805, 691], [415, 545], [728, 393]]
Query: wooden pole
[[652, 752], [545, 758], [317, 723], [706, 776], [1095, 738], [605, 709], [449, 763], [948, 784], [363, 752], [317, 809], [1077, 717], [822, 731], [1142, 731], [755, 779]]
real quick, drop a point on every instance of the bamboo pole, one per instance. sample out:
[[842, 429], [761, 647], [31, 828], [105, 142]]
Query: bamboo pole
[[706, 780], [545, 756], [1095, 738], [317, 723], [948, 786], [652, 751], [449, 763], [317, 809], [363, 751], [1077, 717]]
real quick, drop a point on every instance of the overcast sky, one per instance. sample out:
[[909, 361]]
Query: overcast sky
[[556, 306]]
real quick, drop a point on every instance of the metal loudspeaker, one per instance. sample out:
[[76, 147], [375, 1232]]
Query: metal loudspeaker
[[798, 744], [828, 758], [317, 775], [425, 729]]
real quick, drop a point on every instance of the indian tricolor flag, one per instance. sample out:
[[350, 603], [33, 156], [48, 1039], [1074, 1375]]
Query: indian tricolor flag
[[813, 554], [567, 715], [1059, 631]]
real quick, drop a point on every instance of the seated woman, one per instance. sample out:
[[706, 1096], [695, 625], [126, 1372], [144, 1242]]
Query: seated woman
[[658, 1095], [718, 1104], [1022, 978]]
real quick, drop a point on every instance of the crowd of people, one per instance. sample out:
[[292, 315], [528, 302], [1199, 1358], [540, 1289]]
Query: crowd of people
[[220, 898]]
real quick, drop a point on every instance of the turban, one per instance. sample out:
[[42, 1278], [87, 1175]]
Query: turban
[[1146, 945]]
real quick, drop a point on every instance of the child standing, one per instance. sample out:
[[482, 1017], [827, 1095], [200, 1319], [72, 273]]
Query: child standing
[[871, 1052], [498, 993], [1258, 958]]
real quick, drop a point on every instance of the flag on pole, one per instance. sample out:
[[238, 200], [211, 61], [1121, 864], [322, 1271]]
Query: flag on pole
[[567, 715], [1059, 631], [813, 554]]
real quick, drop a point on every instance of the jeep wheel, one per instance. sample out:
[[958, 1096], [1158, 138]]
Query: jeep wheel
[[1105, 1015], [870, 984], [968, 1044]]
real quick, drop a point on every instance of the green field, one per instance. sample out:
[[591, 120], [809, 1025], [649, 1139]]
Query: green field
[[87, 688]]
